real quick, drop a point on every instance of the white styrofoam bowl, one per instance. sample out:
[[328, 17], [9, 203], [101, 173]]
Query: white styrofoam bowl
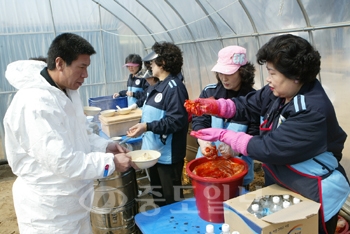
[[144, 158], [108, 113], [91, 110], [124, 111]]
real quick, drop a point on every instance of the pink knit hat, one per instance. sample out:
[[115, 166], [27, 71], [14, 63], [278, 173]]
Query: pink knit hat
[[231, 58]]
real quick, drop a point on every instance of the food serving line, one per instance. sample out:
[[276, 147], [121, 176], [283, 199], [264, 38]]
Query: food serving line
[[217, 199], [179, 217], [214, 181]]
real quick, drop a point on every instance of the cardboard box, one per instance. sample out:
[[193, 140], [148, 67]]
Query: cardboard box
[[299, 218], [118, 124]]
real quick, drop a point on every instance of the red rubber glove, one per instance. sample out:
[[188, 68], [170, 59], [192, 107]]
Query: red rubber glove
[[237, 140], [225, 108]]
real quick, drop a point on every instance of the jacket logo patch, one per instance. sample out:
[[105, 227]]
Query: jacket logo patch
[[137, 82], [158, 98]]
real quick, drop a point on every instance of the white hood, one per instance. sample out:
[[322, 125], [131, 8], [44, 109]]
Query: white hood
[[26, 74]]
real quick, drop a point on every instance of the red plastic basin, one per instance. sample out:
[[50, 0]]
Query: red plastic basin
[[211, 192]]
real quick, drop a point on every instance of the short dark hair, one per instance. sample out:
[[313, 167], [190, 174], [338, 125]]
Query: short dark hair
[[147, 64], [293, 56], [67, 46], [40, 58], [134, 58], [247, 74], [169, 57]]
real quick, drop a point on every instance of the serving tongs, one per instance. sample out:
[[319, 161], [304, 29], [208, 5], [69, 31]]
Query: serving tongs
[[125, 140]]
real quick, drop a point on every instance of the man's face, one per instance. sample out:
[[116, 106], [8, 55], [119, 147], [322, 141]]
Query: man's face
[[73, 76]]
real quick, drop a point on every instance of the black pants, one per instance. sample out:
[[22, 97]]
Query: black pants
[[166, 183], [331, 225]]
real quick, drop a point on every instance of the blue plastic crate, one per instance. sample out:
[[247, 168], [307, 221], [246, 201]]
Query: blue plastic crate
[[108, 102]]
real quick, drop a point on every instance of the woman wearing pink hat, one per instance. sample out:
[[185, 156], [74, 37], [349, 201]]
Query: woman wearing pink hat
[[235, 76], [300, 142], [135, 85]]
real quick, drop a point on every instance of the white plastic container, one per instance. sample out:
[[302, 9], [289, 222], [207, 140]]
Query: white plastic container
[[257, 211], [209, 229], [276, 206], [225, 228]]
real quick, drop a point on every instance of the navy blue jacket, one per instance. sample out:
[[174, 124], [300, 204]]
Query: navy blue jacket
[[167, 120], [218, 91], [300, 144], [137, 85]]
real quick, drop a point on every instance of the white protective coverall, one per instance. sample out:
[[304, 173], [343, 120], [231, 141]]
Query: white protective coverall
[[52, 151]]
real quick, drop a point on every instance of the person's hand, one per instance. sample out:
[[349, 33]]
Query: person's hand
[[222, 107], [122, 162], [226, 151], [136, 130], [129, 93], [115, 148], [203, 145], [133, 106], [115, 95], [237, 140]]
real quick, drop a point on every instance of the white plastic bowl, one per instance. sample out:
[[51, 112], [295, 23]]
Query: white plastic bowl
[[91, 110], [144, 158], [124, 111], [89, 118], [116, 138], [108, 113]]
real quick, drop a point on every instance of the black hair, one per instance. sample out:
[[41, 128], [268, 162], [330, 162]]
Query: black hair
[[147, 64], [156, 79], [134, 58], [67, 46], [293, 56], [40, 58], [247, 74], [169, 57]]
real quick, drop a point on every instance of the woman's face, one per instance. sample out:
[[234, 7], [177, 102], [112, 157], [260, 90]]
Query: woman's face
[[133, 70], [156, 70], [230, 82], [280, 85]]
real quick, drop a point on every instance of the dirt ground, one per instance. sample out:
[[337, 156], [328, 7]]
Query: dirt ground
[[8, 221]]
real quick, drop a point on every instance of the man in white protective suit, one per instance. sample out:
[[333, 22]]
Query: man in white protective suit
[[49, 145]]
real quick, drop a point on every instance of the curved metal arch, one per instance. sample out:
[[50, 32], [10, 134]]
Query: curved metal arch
[[255, 32], [307, 20], [182, 19], [102, 48], [210, 18], [96, 1], [308, 24], [146, 28], [157, 19], [223, 19], [53, 20]]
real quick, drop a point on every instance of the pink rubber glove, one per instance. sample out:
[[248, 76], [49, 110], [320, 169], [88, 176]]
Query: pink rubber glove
[[222, 107], [237, 140]]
